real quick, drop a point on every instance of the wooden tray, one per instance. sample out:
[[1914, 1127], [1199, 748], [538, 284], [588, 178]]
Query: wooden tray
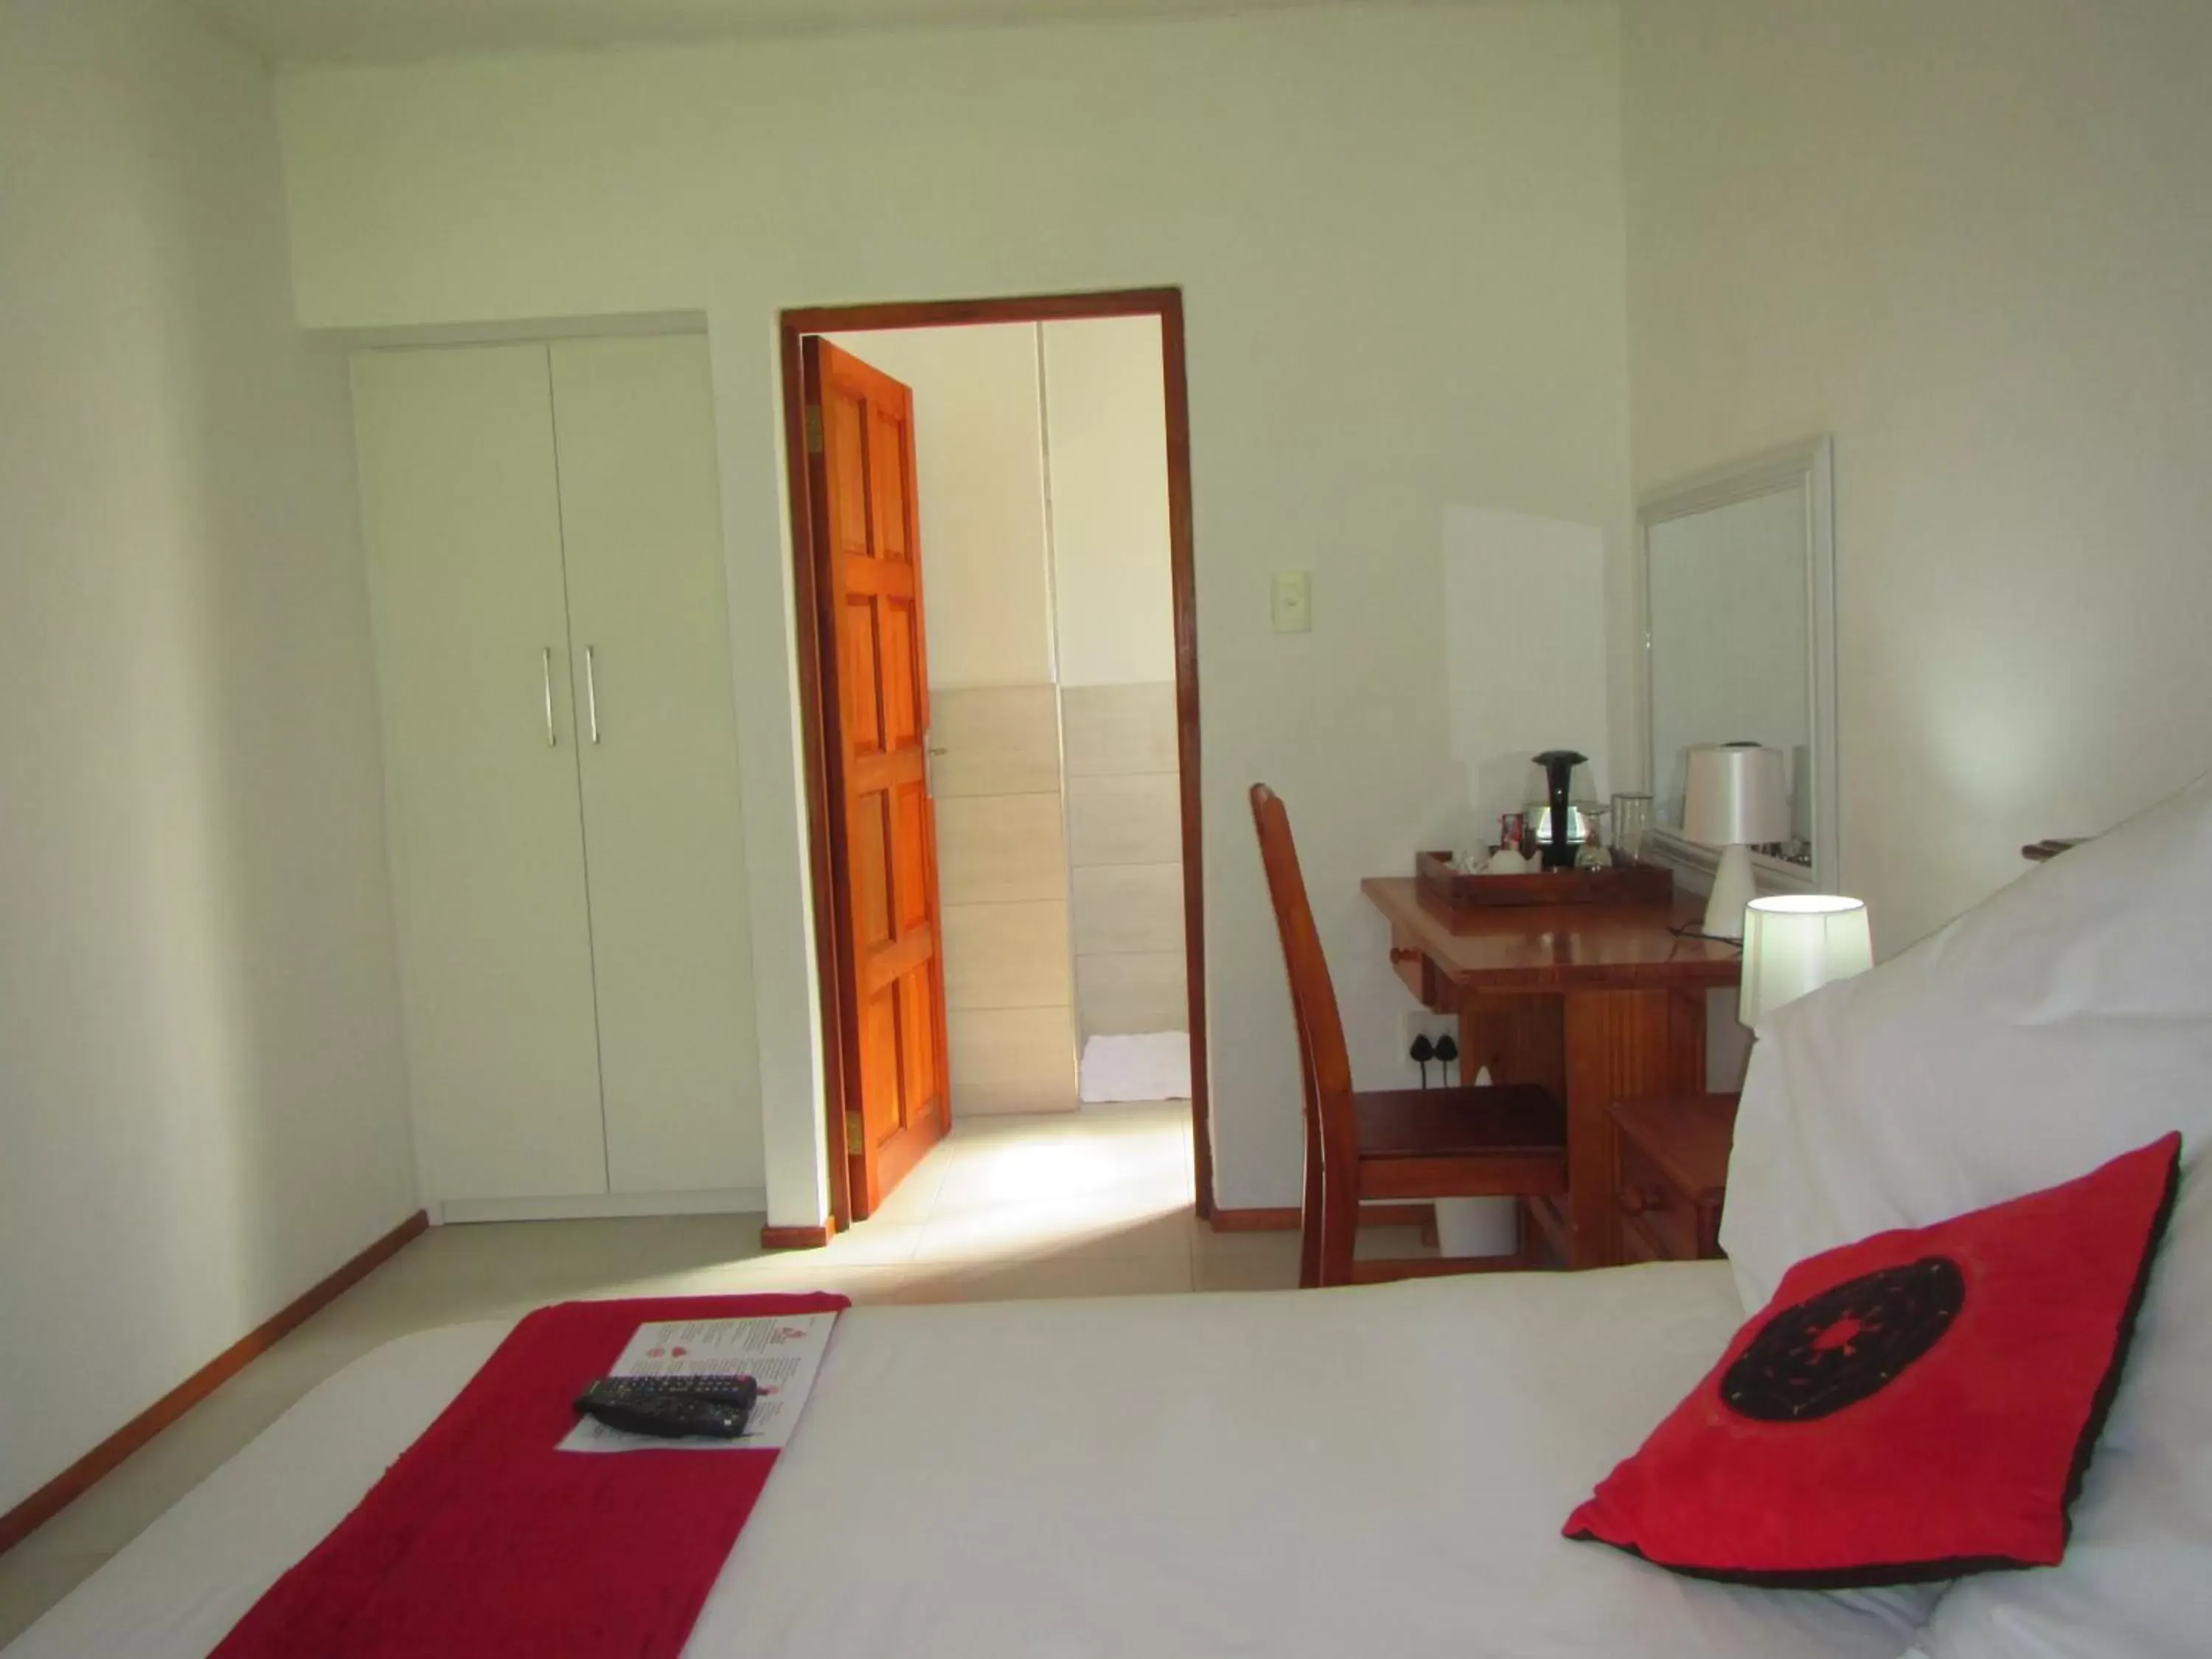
[[1627, 884]]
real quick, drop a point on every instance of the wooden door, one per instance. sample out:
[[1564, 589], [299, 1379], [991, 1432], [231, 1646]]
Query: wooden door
[[462, 518], [876, 693], [657, 742]]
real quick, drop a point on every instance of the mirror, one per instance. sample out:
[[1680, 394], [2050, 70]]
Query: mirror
[[1738, 582]]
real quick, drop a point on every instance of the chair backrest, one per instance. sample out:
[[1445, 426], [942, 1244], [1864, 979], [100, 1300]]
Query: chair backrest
[[1313, 996]]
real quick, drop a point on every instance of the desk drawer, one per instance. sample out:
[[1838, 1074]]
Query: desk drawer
[[1413, 965], [1650, 1207]]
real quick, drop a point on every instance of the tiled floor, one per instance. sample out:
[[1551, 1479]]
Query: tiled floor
[[1095, 1203]]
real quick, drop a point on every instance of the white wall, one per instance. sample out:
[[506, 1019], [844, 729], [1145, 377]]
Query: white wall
[[1973, 239], [1523, 620], [1399, 233], [987, 611], [1106, 413], [203, 1104]]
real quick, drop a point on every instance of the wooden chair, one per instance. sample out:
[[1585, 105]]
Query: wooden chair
[[1494, 1142]]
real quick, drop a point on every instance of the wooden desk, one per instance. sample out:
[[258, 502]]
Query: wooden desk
[[1598, 1004]]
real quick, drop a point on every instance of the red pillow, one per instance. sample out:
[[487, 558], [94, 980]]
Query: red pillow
[[1917, 1406]]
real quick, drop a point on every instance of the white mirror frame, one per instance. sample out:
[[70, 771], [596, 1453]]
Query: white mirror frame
[[1810, 466]]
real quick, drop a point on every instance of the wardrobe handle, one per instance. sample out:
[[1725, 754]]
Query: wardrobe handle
[[546, 668], [592, 692]]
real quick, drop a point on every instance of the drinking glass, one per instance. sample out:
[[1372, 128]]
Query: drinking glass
[[1632, 822], [1592, 854]]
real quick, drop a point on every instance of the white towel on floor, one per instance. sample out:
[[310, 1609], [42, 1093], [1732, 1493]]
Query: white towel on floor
[[1151, 1066]]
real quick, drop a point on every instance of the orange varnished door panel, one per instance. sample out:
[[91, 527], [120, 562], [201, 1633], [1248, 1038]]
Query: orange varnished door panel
[[890, 966]]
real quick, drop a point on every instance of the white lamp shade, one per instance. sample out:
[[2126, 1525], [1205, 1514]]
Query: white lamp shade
[[1795, 944], [1736, 794]]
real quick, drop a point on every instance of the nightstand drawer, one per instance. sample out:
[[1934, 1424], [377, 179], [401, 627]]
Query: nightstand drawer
[[1649, 1205], [1674, 1157]]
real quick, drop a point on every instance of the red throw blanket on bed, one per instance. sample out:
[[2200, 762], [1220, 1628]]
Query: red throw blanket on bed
[[484, 1541]]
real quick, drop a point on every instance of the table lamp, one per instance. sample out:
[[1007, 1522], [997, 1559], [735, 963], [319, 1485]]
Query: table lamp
[[1797, 942], [1737, 796]]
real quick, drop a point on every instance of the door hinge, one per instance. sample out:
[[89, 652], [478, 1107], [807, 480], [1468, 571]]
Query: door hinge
[[814, 428], [855, 1138]]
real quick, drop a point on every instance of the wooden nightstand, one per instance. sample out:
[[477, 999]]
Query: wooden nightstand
[[1673, 1174]]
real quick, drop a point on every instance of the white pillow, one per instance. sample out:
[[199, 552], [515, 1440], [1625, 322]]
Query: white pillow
[[2137, 1577], [2066, 1020], [2063, 1022], [2134, 1582]]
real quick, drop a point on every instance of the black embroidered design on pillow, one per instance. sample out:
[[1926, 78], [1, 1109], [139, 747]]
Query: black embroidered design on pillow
[[1845, 1345]]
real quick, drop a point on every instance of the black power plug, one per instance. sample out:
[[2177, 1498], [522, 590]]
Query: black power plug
[[1447, 1051], [1422, 1052]]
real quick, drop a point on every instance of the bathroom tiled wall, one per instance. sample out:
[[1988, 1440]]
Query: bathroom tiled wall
[[1002, 884], [1125, 854]]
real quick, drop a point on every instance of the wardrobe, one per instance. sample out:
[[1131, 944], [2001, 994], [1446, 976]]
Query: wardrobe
[[561, 764]]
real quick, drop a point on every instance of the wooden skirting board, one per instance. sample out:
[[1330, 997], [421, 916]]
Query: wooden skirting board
[[796, 1238], [73, 1482]]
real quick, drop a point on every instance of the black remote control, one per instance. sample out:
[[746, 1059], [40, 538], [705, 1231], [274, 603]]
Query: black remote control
[[672, 1408]]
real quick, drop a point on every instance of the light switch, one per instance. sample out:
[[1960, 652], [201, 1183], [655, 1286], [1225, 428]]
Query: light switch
[[1292, 607]]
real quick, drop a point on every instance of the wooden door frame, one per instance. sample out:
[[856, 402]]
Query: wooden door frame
[[819, 713]]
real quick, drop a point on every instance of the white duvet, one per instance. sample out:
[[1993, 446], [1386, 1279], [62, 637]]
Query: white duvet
[[1374, 1471]]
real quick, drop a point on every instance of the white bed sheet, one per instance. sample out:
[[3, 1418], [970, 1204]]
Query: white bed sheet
[[1010, 1480]]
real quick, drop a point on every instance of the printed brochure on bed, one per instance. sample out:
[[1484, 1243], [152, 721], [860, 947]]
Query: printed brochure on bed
[[783, 1354]]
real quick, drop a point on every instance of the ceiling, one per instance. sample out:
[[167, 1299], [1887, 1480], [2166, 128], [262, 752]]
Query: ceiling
[[397, 31]]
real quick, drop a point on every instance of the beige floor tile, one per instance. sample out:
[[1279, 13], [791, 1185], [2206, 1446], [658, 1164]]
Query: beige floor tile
[[1207, 1241], [34, 1575], [1101, 1231], [1391, 1244], [1050, 1277], [794, 1271], [878, 1242], [1242, 1260], [1163, 1122], [1045, 1175], [1266, 1261], [911, 1201]]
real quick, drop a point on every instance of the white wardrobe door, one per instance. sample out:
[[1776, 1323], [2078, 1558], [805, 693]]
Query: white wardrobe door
[[461, 507], [641, 522]]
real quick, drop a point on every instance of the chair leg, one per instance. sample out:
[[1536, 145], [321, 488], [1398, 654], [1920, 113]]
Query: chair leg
[[1530, 1240], [1309, 1216], [1339, 1224]]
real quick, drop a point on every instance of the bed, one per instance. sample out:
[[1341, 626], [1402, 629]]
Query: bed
[[1375, 1470], [1385, 1469]]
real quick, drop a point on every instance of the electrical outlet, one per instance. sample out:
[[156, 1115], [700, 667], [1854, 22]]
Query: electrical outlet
[[1419, 1023]]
